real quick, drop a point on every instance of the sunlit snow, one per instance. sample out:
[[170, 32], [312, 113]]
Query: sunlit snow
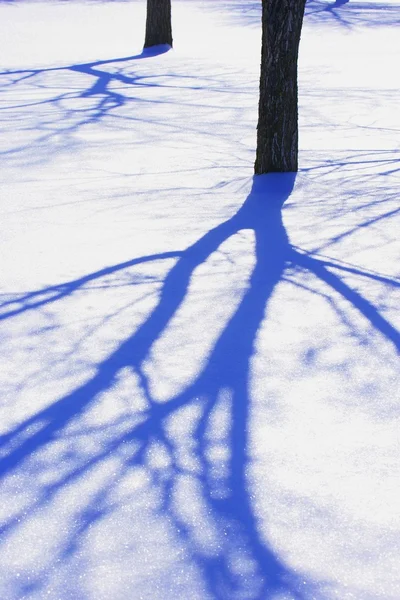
[[199, 369]]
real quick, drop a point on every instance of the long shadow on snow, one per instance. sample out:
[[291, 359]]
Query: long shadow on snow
[[351, 14], [344, 13], [227, 369], [97, 89]]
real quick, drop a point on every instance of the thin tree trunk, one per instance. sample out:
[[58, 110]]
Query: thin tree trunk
[[277, 130], [158, 23]]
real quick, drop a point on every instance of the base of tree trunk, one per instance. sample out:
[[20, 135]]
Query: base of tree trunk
[[158, 23], [277, 129]]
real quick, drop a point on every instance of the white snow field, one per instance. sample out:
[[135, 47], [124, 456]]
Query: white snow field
[[199, 369]]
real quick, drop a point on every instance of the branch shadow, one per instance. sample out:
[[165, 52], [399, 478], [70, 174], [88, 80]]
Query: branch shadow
[[350, 14], [107, 91], [227, 368], [242, 564], [343, 13], [54, 106]]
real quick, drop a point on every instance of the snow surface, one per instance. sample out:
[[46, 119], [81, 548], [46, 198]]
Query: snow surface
[[199, 390]]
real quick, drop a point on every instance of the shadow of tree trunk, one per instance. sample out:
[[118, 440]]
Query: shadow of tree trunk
[[222, 488]]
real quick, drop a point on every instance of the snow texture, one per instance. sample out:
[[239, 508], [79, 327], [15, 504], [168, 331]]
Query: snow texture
[[199, 368]]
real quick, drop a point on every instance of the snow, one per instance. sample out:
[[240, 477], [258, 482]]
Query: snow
[[199, 388]]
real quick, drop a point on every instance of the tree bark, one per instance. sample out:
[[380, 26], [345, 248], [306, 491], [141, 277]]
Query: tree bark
[[277, 130], [158, 23]]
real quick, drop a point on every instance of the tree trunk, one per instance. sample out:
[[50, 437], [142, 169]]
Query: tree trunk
[[158, 23], [277, 130]]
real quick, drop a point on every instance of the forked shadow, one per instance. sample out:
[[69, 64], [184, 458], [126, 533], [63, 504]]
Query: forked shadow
[[224, 493]]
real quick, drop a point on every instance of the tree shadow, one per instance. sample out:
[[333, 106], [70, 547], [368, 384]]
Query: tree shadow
[[366, 14], [241, 563], [227, 368], [340, 12], [59, 103]]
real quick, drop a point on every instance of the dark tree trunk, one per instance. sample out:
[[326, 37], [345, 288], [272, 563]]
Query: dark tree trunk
[[158, 23], [277, 130]]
